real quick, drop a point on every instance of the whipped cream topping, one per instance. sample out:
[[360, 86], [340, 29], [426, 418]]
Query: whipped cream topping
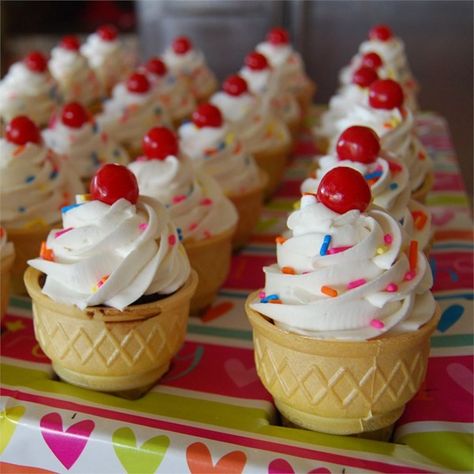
[[25, 92], [77, 81], [34, 185], [107, 58], [85, 148], [6, 248], [195, 201], [389, 183], [346, 276], [127, 116], [113, 254], [219, 152]]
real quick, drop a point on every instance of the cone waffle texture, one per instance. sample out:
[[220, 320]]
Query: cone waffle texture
[[422, 192], [6, 264], [249, 206], [106, 349], [27, 244], [210, 258], [340, 387]]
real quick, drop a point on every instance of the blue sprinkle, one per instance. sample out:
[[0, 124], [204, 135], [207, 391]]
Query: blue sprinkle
[[22, 209], [29, 179], [373, 175], [53, 174], [325, 245], [221, 146], [72, 206], [116, 152], [269, 298], [95, 127], [95, 158], [180, 233], [393, 186], [184, 122]]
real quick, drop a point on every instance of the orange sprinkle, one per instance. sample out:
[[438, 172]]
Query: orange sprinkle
[[420, 219], [1, 232], [327, 290], [280, 239], [18, 150], [46, 253], [288, 270], [309, 194], [421, 155], [275, 301], [413, 255]]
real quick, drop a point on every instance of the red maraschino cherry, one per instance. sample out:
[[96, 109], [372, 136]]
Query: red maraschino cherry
[[343, 189], [256, 61], [138, 83], [385, 94], [36, 61], [207, 115], [74, 115], [278, 36], [113, 182], [372, 60], [181, 45], [70, 42], [235, 85], [156, 67], [364, 76], [359, 144], [22, 130], [107, 32], [159, 143], [381, 33]]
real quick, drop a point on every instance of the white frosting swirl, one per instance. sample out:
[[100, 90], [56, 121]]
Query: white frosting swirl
[[194, 200], [127, 116], [108, 59], [113, 254], [219, 152], [34, 185], [6, 248], [26, 92], [77, 81], [86, 148], [363, 307]]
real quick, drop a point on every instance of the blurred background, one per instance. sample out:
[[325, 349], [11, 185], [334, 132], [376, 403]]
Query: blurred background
[[438, 36]]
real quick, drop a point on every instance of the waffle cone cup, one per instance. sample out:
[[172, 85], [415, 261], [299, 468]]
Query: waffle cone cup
[[27, 242], [422, 192], [6, 264], [105, 349], [249, 206], [210, 258], [306, 94], [205, 95], [340, 387]]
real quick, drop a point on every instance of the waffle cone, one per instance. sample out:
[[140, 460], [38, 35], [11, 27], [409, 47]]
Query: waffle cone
[[105, 349], [27, 244], [422, 192], [340, 387], [249, 206], [305, 95], [205, 95], [6, 264], [210, 258]]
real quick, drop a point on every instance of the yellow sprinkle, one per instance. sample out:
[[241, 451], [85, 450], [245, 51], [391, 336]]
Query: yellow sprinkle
[[35, 223], [82, 198], [296, 205], [94, 289], [229, 139], [381, 250]]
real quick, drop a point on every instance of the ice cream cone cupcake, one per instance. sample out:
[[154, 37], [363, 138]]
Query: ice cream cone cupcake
[[34, 186], [76, 80], [28, 89], [214, 148], [112, 318], [205, 219], [342, 327], [133, 109], [184, 60], [7, 257], [265, 136], [75, 136], [173, 91], [107, 57]]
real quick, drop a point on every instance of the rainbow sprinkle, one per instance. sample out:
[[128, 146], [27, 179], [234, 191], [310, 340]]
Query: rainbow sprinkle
[[172, 239], [261, 294], [391, 288], [46, 253], [394, 167], [102, 280], [61, 232], [356, 283], [381, 250], [206, 202], [72, 206], [393, 186], [325, 245], [29, 179], [80, 198], [193, 226], [280, 240], [288, 270], [327, 290], [409, 276], [388, 239], [334, 250], [268, 298], [420, 219], [178, 198], [143, 226], [377, 324], [373, 175]]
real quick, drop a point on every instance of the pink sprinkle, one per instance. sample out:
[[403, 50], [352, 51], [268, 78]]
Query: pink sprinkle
[[388, 239], [207, 234], [391, 287], [206, 202], [143, 226], [141, 158], [193, 226], [338, 249], [377, 324], [356, 283], [261, 294], [178, 198], [409, 276], [172, 239], [104, 137], [61, 232]]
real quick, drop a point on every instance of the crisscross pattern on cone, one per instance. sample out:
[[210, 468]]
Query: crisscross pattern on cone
[[364, 382]]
